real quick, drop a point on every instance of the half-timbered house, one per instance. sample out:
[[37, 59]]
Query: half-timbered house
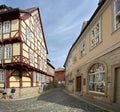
[[23, 50]]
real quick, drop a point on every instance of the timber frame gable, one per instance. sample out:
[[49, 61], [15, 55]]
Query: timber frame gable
[[20, 20], [23, 49]]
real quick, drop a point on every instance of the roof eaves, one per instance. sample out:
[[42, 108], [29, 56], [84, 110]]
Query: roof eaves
[[11, 10]]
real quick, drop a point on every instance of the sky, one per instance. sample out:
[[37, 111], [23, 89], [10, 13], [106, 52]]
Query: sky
[[62, 21]]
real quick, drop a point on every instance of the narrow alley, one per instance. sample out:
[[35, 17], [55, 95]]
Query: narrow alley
[[56, 100]]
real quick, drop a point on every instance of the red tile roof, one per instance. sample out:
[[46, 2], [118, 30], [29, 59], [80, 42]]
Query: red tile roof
[[59, 69]]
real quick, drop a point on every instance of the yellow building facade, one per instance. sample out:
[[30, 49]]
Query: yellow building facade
[[92, 67], [23, 50]]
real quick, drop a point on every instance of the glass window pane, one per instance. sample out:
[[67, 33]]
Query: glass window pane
[[97, 78]]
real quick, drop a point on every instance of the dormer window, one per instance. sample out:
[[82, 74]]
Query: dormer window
[[116, 14]]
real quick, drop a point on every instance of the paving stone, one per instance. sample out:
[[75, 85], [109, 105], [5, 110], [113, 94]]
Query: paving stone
[[54, 101]]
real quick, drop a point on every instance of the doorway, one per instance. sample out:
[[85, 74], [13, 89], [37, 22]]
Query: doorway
[[78, 84], [117, 85]]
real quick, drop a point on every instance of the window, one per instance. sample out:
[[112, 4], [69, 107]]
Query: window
[[6, 27], [82, 47], [116, 14], [32, 57], [34, 77], [8, 52], [1, 75], [42, 78], [97, 78], [0, 52], [95, 35], [29, 37], [38, 77], [0, 27], [41, 64], [35, 27]]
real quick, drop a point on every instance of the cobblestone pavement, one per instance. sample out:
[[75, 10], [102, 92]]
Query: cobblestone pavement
[[52, 101]]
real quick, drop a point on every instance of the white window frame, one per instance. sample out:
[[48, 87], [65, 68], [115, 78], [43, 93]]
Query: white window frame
[[8, 52], [97, 79], [42, 78], [2, 75], [116, 15], [82, 47], [40, 61], [1, 50], [34, 77], [6, 27], [0, 28], [39, 79], [95, 35], [32, 57]]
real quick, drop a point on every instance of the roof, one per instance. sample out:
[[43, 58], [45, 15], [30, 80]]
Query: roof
[[31, 9], [59, 69], [100, 4]]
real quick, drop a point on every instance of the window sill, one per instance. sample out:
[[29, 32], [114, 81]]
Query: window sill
[[96, 93], [92, 48], [6, 33], [7, 59], [115, 30]]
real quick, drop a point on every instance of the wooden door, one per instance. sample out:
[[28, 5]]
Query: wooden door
[[78, 84]]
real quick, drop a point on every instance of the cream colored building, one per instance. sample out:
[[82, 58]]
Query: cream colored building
[[23, 50], [92, 67]]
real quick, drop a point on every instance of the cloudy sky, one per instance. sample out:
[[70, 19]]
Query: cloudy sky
[[62, 21]]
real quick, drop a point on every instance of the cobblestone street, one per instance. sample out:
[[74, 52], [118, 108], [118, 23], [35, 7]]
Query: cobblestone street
[[52, 101]]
